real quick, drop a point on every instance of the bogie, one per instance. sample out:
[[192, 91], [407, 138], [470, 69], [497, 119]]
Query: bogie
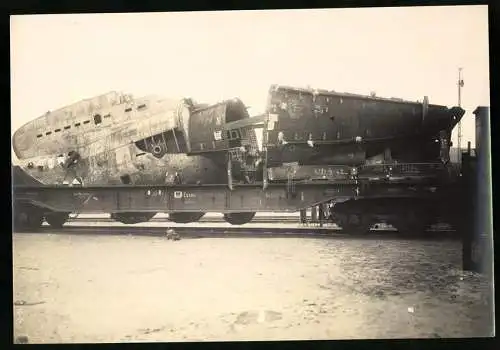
[[356, 223], [407, 215], [56, 220], [239, 218], [185, 218], [131, 218], [27, 217]]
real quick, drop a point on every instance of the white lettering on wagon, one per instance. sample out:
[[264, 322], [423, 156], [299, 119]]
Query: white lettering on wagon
[[180, 194]]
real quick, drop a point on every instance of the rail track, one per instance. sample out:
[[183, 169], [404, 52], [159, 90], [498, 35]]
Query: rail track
[[199, 230], [258, 219], [213, 225]]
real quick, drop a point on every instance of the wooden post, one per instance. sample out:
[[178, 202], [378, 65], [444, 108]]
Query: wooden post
[[303, 216], [321, 214], [314, 214]]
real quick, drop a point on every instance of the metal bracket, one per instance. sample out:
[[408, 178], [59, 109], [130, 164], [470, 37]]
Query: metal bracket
[[229, 172]]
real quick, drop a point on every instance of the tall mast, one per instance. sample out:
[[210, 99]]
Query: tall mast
[[459, 131]]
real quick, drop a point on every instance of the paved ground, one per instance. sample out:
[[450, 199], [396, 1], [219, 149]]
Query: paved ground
[[116, 289]]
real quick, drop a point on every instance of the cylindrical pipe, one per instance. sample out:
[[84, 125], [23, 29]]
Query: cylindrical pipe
[[483, 217], [483, 233]]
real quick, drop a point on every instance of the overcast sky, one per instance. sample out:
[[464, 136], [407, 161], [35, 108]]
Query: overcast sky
[[397, 52]]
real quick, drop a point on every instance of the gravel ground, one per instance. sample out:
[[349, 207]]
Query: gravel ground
[[118, 289]]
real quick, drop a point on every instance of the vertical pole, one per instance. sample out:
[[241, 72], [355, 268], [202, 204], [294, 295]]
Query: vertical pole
[[303, 216], [459, 130], [460, 84], [314, 214], [483, 223], [321, 214], [265, 137], [229, 172], [465, 222], [176, 142], [482, 253]]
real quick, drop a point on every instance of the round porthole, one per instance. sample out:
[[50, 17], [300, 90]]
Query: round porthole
[[157, 149]]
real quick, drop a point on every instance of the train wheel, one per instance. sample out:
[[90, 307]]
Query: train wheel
[[239, 218], [412, 223], [132, 218], [27, 219], [57, 220], [185, 218], [356, 224], [35, 221], [338, 219]]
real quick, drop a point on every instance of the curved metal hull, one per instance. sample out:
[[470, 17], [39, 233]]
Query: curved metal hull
[[127, 165], [312, 127]]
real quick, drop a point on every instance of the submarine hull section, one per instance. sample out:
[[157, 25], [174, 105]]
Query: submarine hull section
[[314, 127], [127, 165], [149, 141]]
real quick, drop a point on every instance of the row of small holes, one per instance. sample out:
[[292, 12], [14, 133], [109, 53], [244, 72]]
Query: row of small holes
[[138, 107], [69, 126], [87, 121]]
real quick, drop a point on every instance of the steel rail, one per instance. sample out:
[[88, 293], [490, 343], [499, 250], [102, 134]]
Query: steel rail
[[239, 232], [284, 219], [256, 220]]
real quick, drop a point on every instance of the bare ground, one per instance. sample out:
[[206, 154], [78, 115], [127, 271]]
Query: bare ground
[[117, 289]]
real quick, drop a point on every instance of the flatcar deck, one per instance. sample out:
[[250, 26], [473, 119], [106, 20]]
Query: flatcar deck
[[217, 198]]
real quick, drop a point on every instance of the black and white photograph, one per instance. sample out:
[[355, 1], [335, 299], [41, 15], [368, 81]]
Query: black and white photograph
[[252, 175]]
